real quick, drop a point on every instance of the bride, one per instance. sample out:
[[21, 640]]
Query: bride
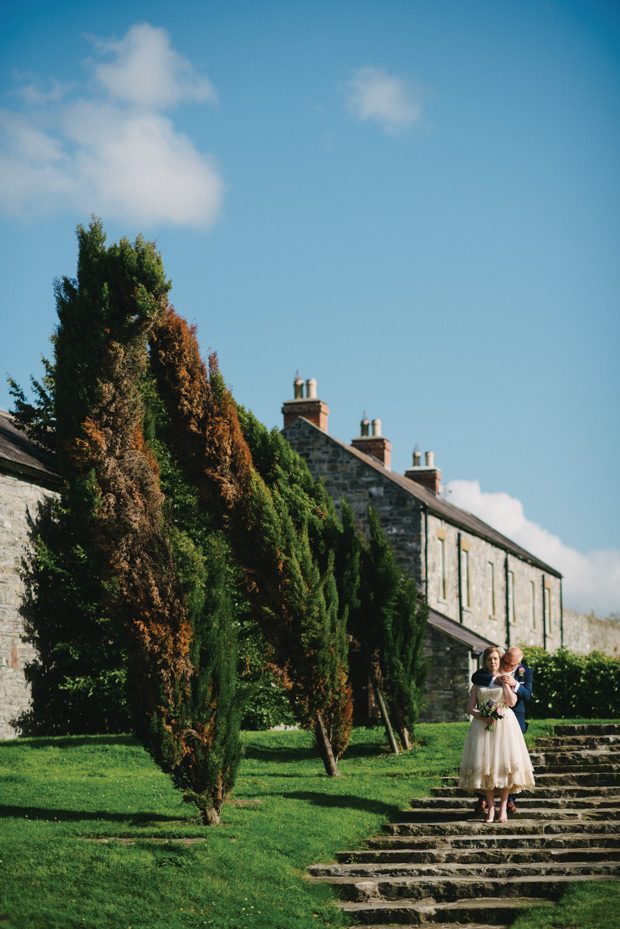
[[495, 756]]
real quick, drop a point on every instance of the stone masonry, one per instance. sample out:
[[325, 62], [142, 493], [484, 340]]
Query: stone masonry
[[19, 500]]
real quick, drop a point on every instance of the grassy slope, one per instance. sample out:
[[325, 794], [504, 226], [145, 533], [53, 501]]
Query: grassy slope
[[286, 814]]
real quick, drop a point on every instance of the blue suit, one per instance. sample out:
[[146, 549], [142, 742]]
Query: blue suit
[[482, 678]]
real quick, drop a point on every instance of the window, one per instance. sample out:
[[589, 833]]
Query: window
[[491, 588], [548, 616], [533, 603], [512, 616], [442, 583], [465, 581]]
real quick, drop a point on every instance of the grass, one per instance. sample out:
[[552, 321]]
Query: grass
[[59, 794]]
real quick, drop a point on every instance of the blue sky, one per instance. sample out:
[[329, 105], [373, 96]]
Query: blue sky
[[415, 203]]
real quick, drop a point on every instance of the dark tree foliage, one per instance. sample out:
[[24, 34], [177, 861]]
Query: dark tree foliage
[[78, 676], [390, 625], [294, 600], [38, 419], [162, 584]]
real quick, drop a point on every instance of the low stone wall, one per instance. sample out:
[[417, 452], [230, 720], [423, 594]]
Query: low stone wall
[[19, 499], [584, 633]]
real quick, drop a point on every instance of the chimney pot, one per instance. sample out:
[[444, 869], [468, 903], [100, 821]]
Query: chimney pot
[[364, 424], [310, 407], [416, 459], [429, 457], [376, 427]]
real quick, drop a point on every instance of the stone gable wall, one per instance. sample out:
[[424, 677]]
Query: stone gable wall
[[18, 499], [345, 475]]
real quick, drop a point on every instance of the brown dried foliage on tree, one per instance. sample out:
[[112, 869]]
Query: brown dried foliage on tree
[[210, 442], [137, 559]]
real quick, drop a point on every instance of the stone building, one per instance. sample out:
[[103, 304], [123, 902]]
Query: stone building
[[27, 476], [481, 587]]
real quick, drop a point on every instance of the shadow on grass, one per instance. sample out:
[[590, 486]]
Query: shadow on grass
[[346, 801], [33, 813], [368, 750], [68, 741], [281, 754]]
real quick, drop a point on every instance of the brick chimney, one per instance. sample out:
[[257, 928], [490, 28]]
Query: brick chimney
[[310, 407], [427, 474], [375, 445]]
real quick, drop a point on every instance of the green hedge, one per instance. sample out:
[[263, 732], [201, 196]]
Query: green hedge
[[568, 685]]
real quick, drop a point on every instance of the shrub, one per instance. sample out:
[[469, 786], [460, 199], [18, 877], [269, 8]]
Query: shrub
[[567, 685]]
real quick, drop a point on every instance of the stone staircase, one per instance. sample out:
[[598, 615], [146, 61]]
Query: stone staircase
[[441, 866]]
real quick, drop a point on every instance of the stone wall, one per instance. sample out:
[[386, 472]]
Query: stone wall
[[361, 483], [584, 634], [449, 682], [484, 605], [18, 500]]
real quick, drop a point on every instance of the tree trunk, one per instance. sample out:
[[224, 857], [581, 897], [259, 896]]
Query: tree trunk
[[325, 747], [405, 738], [386, 719], [403, 731], [211, 815]]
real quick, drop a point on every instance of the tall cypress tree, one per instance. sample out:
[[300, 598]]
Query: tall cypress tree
[[390, 624], [293, 599], [162, 587]]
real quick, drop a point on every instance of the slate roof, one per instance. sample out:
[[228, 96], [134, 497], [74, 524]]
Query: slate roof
[[472, 640], [20, 455], [443, 508]]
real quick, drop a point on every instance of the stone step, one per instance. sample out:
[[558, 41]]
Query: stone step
[[482, 854], [585, 769], [516, 825], [426, 925], [579, 742], [587, 778], [486, 840], [436, 915], [549, 791], [452, 814], [587, 729], [342, 872], [536, 801], [585, 758], [445, 889]]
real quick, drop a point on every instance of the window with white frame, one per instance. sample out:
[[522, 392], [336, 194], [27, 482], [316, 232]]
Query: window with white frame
[[491, 589], [533, 603]]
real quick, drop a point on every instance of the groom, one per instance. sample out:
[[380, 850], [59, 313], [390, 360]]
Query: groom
[[519, 676]]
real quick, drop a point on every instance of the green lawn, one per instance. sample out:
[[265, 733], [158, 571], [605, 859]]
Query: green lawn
[[58, 794]]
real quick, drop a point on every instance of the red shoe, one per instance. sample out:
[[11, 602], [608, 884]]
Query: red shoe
[[511, 807], [481, 806]]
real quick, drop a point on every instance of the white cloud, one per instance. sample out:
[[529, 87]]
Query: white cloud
[[111, 151], [591, 580], [147, 72], [388, 101]]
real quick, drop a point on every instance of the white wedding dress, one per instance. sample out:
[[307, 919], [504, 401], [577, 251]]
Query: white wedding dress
[[495, 759]]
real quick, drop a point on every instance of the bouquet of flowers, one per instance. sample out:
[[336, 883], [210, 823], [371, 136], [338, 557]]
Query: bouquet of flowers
[[491, 710]]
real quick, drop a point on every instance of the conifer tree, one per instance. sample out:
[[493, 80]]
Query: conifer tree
[[390, 624], [294, 600], [178, 630]]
